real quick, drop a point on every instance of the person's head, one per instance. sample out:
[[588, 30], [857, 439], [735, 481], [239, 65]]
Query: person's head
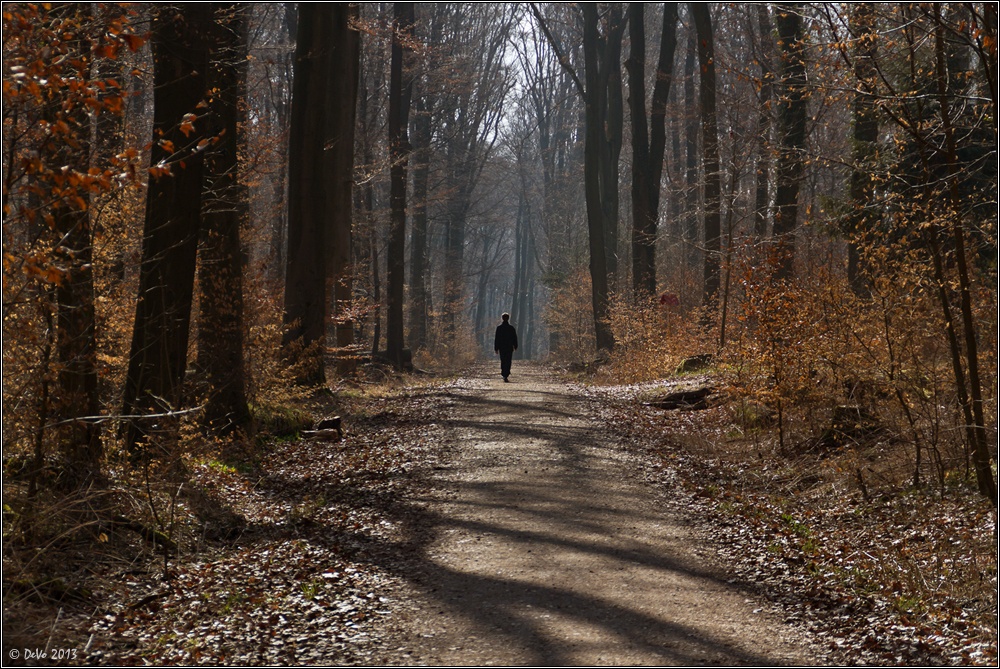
[[505, 317]]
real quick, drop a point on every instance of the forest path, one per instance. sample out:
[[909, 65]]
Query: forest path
[[547, 548]]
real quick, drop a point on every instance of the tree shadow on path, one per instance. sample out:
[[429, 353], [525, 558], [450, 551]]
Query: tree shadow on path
[[530, 489]]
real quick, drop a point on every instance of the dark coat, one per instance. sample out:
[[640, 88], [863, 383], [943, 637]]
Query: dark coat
[[505, 339]]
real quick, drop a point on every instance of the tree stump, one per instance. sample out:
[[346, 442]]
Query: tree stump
[[849, 424], [695, 363]]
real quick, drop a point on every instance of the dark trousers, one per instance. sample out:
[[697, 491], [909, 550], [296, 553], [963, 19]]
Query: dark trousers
[[505, 357]]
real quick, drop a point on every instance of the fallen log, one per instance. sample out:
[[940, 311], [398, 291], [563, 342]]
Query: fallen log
[[405, 363], [46, 590], [684, 400], [146, 532], [328, 428]]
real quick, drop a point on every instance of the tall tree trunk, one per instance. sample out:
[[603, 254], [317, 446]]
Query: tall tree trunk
[[980, 448], [658, 112], [944, 284], [518, 253], [74, 324], [158, 355], [597, 167], [648, 154], [592, 183], [278, 119], [399, 113], [526, 323], [367, 247], [524, 259], [791, 134], [710, 152], [418, 235], [305, 275], [528, 328], [486, 290], [482, 284], [676, 190], [643, 219], [602, 112], [731, 194], [339, 158], [611, 148], [419, 258], [220, 277], [865, 138], [763, 172], [376, 294], [692, 234], [454, 254]]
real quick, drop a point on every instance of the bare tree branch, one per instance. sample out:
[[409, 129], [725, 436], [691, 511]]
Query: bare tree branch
[[563, 60]]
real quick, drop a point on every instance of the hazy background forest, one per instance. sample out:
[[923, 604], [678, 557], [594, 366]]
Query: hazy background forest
[[210, 210]]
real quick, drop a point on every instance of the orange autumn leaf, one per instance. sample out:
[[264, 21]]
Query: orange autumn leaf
[[134, 42], [55, 276]]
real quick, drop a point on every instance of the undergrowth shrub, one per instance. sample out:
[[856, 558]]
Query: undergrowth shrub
[[570, 319], [832, 370], [452, 343], [651, 338], [270, 381]]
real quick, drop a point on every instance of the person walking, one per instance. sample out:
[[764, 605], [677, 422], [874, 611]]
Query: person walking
[[505, 343]]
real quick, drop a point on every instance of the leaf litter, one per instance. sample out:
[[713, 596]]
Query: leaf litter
[[902, 578], [310, 573]]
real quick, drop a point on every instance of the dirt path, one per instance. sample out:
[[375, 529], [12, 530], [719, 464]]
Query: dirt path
[[548, 549]]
